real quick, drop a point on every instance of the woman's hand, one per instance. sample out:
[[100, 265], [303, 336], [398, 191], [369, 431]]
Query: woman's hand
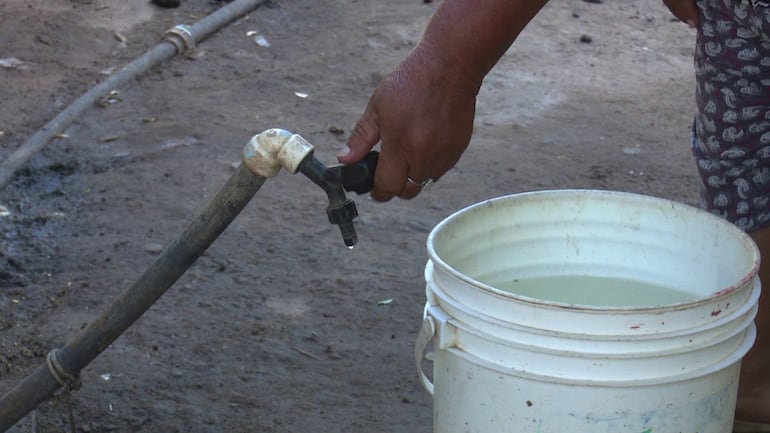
[[422, 114]]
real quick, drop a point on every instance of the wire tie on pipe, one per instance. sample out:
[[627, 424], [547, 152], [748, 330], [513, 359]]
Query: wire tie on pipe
[[66, 379], [181, 37]]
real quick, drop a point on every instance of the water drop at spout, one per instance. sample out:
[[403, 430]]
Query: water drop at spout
[[350, 247]]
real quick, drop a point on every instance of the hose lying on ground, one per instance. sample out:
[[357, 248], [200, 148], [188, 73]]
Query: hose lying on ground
[[177, 40], [63, 366]]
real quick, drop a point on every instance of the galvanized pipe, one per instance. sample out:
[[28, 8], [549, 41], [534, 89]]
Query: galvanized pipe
[[133, 301]]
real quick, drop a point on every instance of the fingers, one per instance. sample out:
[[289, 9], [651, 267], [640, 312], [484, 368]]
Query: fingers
[[422, 124], [414, 187], [392, 168], [390, 176], [364, 137]]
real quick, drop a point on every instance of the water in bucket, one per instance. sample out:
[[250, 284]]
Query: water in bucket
[[595, 290]]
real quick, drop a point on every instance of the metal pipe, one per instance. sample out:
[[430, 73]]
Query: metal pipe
[[135, 300], [177, 39]]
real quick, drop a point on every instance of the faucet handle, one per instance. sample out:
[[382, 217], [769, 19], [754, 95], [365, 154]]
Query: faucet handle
[[359, 177]]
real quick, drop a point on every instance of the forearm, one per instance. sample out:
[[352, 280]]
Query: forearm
[[473, 34], [422, 112]]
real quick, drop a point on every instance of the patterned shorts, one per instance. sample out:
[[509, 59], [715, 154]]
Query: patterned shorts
[[731, 132]]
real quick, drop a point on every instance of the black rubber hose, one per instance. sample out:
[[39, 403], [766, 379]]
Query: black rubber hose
[[136, 299], [161, 52]]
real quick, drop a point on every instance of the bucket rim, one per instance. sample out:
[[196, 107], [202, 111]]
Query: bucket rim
[[639, 198]]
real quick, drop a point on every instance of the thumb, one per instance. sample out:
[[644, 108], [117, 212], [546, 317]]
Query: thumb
[[364, 137]]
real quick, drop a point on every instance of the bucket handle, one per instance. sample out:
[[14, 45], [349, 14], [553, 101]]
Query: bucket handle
[[425, 336], [435, 324]]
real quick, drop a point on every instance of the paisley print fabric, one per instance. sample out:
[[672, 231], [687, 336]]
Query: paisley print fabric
[[731, 133]]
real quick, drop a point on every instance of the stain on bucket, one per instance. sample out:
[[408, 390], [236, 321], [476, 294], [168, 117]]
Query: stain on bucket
[[586, 311]]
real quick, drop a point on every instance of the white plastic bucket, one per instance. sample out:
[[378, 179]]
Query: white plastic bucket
[[509, 363]]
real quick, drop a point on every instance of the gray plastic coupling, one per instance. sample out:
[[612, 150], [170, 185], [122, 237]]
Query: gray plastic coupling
[[181, 37]]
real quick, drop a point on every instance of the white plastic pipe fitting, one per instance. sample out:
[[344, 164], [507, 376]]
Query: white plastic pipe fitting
[[272, 149]]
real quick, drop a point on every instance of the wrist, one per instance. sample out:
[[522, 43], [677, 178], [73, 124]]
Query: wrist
[[431, 62]]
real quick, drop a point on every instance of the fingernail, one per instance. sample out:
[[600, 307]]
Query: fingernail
[[691, 23], [344, 151]]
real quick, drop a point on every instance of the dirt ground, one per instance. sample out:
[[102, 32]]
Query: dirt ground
[[279, 327]]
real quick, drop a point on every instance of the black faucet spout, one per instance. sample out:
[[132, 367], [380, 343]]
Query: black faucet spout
[[341, 210]]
